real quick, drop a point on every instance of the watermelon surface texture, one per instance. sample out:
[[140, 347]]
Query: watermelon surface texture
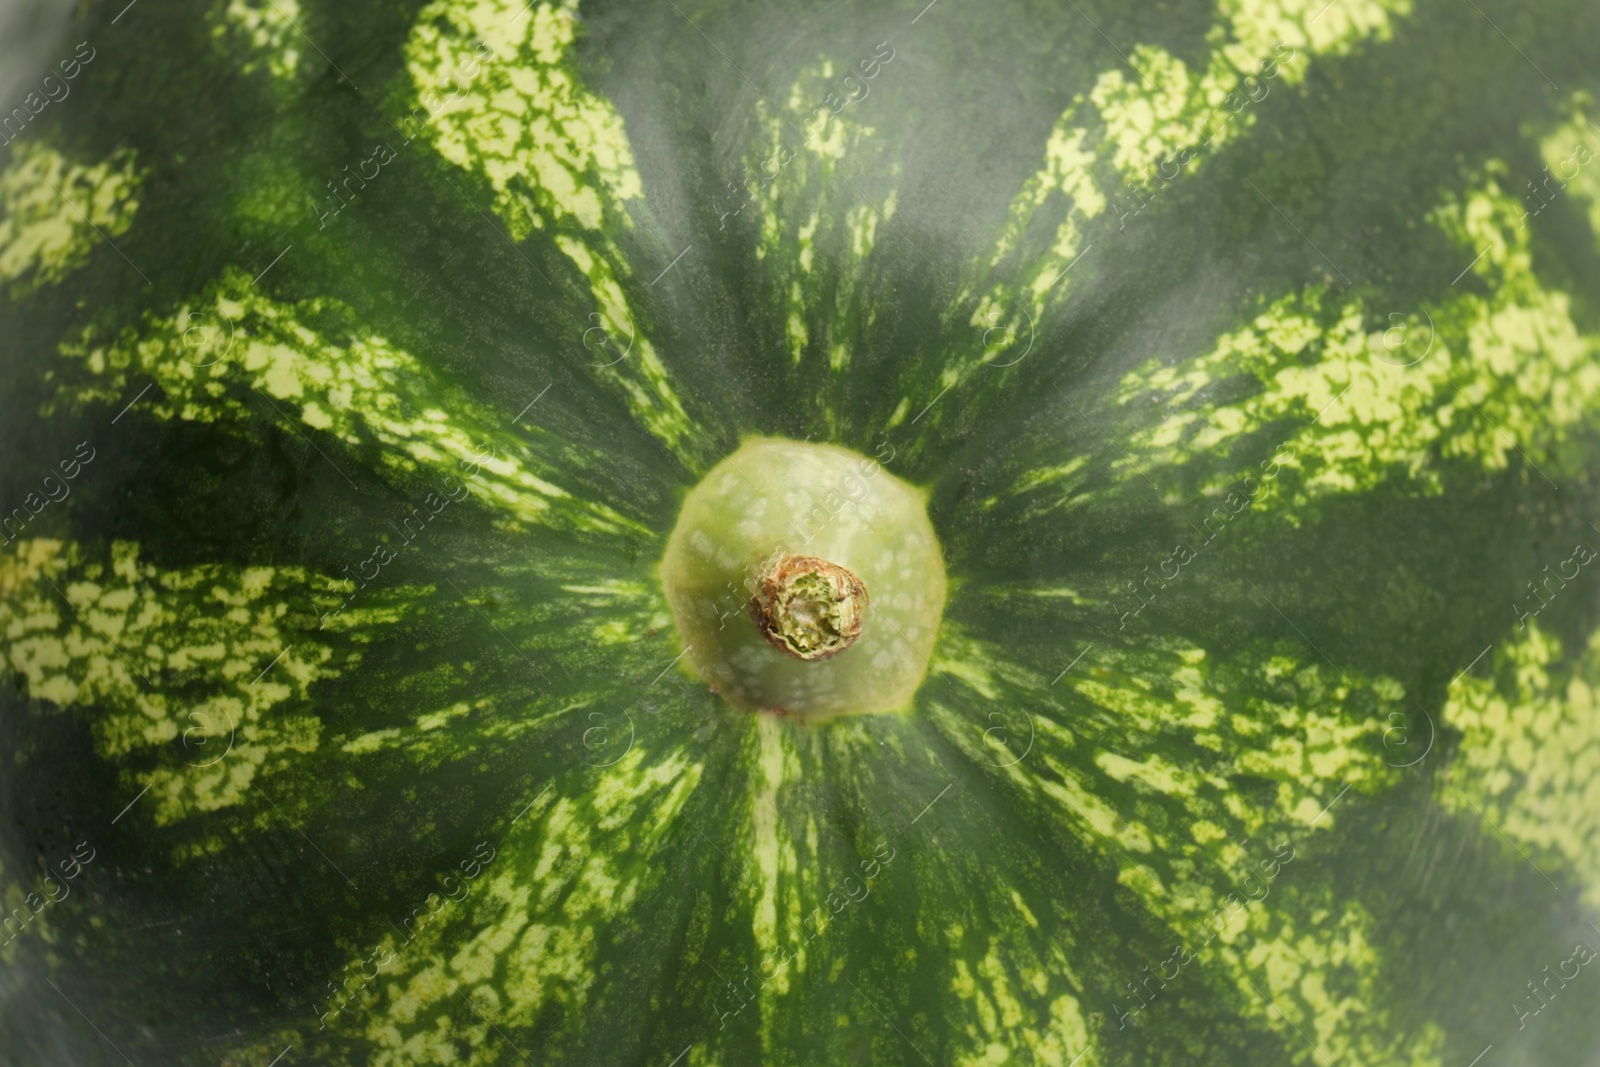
[[711, 533]]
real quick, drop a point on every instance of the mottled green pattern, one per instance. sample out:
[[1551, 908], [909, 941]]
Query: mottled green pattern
[[1320, 27], [54, 211], [1530, 753], [1149, 129], [316, 357], [1570, 152], [525, 940], [1144, 758], [262, 33], [501, 98], [196, 661], [805, 144], [508, 107], [1485, 379]]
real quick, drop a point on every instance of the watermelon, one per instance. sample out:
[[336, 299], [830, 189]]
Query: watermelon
[[567, 532]]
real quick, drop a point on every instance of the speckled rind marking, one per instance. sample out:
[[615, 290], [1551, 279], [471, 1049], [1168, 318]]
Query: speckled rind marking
[[1489, 376], [262, 33], [1571, 153], [521, 946], [168, 658], [1529, 761], [499, 95], [51, 207], [1149, 128], [799, 195], [1141, 757], [316, 360]]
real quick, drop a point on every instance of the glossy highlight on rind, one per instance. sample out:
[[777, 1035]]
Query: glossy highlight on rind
[[766, 510]]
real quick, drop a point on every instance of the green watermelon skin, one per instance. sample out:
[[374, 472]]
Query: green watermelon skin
[[360, 357]]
